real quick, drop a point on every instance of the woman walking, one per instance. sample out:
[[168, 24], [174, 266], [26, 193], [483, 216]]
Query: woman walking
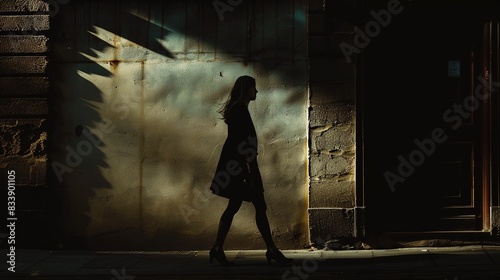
[[237, 176]]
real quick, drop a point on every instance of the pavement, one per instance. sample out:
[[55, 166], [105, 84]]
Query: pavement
[[451, 263]]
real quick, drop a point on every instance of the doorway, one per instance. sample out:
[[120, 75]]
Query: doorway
[[425, 128]]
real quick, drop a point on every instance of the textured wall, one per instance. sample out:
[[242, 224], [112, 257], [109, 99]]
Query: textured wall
[[138, 85], [23, 116], [333, 210]]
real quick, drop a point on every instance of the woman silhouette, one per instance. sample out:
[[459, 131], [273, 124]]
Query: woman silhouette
[[237, 176]]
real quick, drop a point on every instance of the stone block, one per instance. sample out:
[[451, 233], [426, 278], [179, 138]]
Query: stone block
[[332, 194], [18, 6], [32, 86], [359, 215], [335, 69], [326, 92], [23, 65], [328, 166], [328, 223], [335, 138], [23, 44], [24, 150], [23, 138], [29, 171], [495, 220], [334, 114], [24, 23], [23, 106]]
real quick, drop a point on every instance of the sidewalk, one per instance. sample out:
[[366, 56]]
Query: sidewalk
[[468, 262]]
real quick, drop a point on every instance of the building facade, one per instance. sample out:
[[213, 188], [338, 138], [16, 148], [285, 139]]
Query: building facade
[[374, 118]]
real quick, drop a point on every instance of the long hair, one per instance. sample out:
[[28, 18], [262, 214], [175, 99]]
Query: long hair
[[238, 95]]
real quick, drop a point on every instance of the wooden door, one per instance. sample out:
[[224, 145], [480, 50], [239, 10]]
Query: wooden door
[[424, 90]]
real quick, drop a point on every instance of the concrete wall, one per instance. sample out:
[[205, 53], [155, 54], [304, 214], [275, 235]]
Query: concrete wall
[[24, 90], [137, 136]]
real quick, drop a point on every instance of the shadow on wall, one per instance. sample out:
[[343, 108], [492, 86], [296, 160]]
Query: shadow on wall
[[111, 153], [83, 34]]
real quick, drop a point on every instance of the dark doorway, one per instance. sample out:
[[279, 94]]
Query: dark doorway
[[423, 125]]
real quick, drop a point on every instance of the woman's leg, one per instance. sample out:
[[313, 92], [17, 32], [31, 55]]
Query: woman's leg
[[263, 224], [261, 219], [226, 220]]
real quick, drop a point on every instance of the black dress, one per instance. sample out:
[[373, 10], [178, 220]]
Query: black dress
[[237, 174]]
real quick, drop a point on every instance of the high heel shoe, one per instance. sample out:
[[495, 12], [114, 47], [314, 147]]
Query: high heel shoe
[[277, 256], [219, 256]]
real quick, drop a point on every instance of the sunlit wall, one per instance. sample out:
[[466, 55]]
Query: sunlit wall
[[137, 136]]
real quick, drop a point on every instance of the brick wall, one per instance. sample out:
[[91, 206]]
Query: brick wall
[[332, 119], [24, 26]]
